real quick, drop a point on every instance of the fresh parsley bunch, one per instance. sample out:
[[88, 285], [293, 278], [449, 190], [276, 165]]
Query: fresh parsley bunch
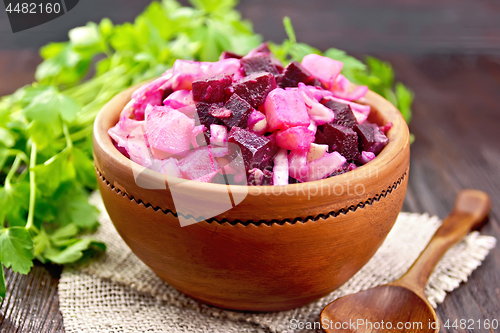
[[46, 167]]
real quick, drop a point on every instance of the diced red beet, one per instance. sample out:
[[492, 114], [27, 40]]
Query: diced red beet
[[298, 138], [211, 90], [320, 138], [361, 111], [371, 138], [278, 78], [257, 150], [240, 110], [203, 114], [262, 48], [198, 164], [259, 63], [344, 138], [293, 74], [229, 55], [220, 112], [254, 88], [285, 109], [343, 113], [315, 82]]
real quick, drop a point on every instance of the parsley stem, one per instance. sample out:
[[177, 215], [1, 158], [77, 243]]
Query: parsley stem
[[31, 212], [88, 89], [69, 142], [81, 134], [13, 170]]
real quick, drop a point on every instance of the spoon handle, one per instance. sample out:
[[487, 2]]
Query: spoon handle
[[470, 210]]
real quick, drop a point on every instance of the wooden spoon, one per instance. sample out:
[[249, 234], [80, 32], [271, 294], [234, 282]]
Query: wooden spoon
[[401, 306]]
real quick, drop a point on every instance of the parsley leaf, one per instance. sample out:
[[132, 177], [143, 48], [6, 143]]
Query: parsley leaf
[[73, 251], [14, 202], [74, 207], [49, 104], [15, 249]]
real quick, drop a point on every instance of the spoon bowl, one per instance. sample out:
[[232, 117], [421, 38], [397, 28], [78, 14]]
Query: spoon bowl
[[401, 306], [387, 308]]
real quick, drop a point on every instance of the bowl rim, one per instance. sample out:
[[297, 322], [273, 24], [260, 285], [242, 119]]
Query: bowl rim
[[398, 137]]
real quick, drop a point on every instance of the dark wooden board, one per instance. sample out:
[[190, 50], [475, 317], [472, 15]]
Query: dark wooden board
[[456, 124], [367, 26], [31, 303]]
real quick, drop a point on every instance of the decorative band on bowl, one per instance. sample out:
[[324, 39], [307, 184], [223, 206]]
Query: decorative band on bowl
[[344, 211]]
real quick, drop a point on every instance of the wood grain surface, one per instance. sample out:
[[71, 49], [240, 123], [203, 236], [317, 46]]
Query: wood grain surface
[[366, 26], [456, 124]]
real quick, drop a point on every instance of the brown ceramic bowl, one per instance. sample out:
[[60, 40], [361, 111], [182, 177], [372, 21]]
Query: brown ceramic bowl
[[281, 247]]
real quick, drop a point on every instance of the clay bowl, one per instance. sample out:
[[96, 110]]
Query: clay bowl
[[281, 247]]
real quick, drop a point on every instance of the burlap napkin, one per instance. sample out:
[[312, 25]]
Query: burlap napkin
[[118, 293]]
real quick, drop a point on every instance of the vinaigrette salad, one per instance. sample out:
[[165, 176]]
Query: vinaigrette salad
[[250, 119]]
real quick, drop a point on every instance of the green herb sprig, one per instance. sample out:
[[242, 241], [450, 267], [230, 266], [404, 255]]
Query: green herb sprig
[[46, 166]]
